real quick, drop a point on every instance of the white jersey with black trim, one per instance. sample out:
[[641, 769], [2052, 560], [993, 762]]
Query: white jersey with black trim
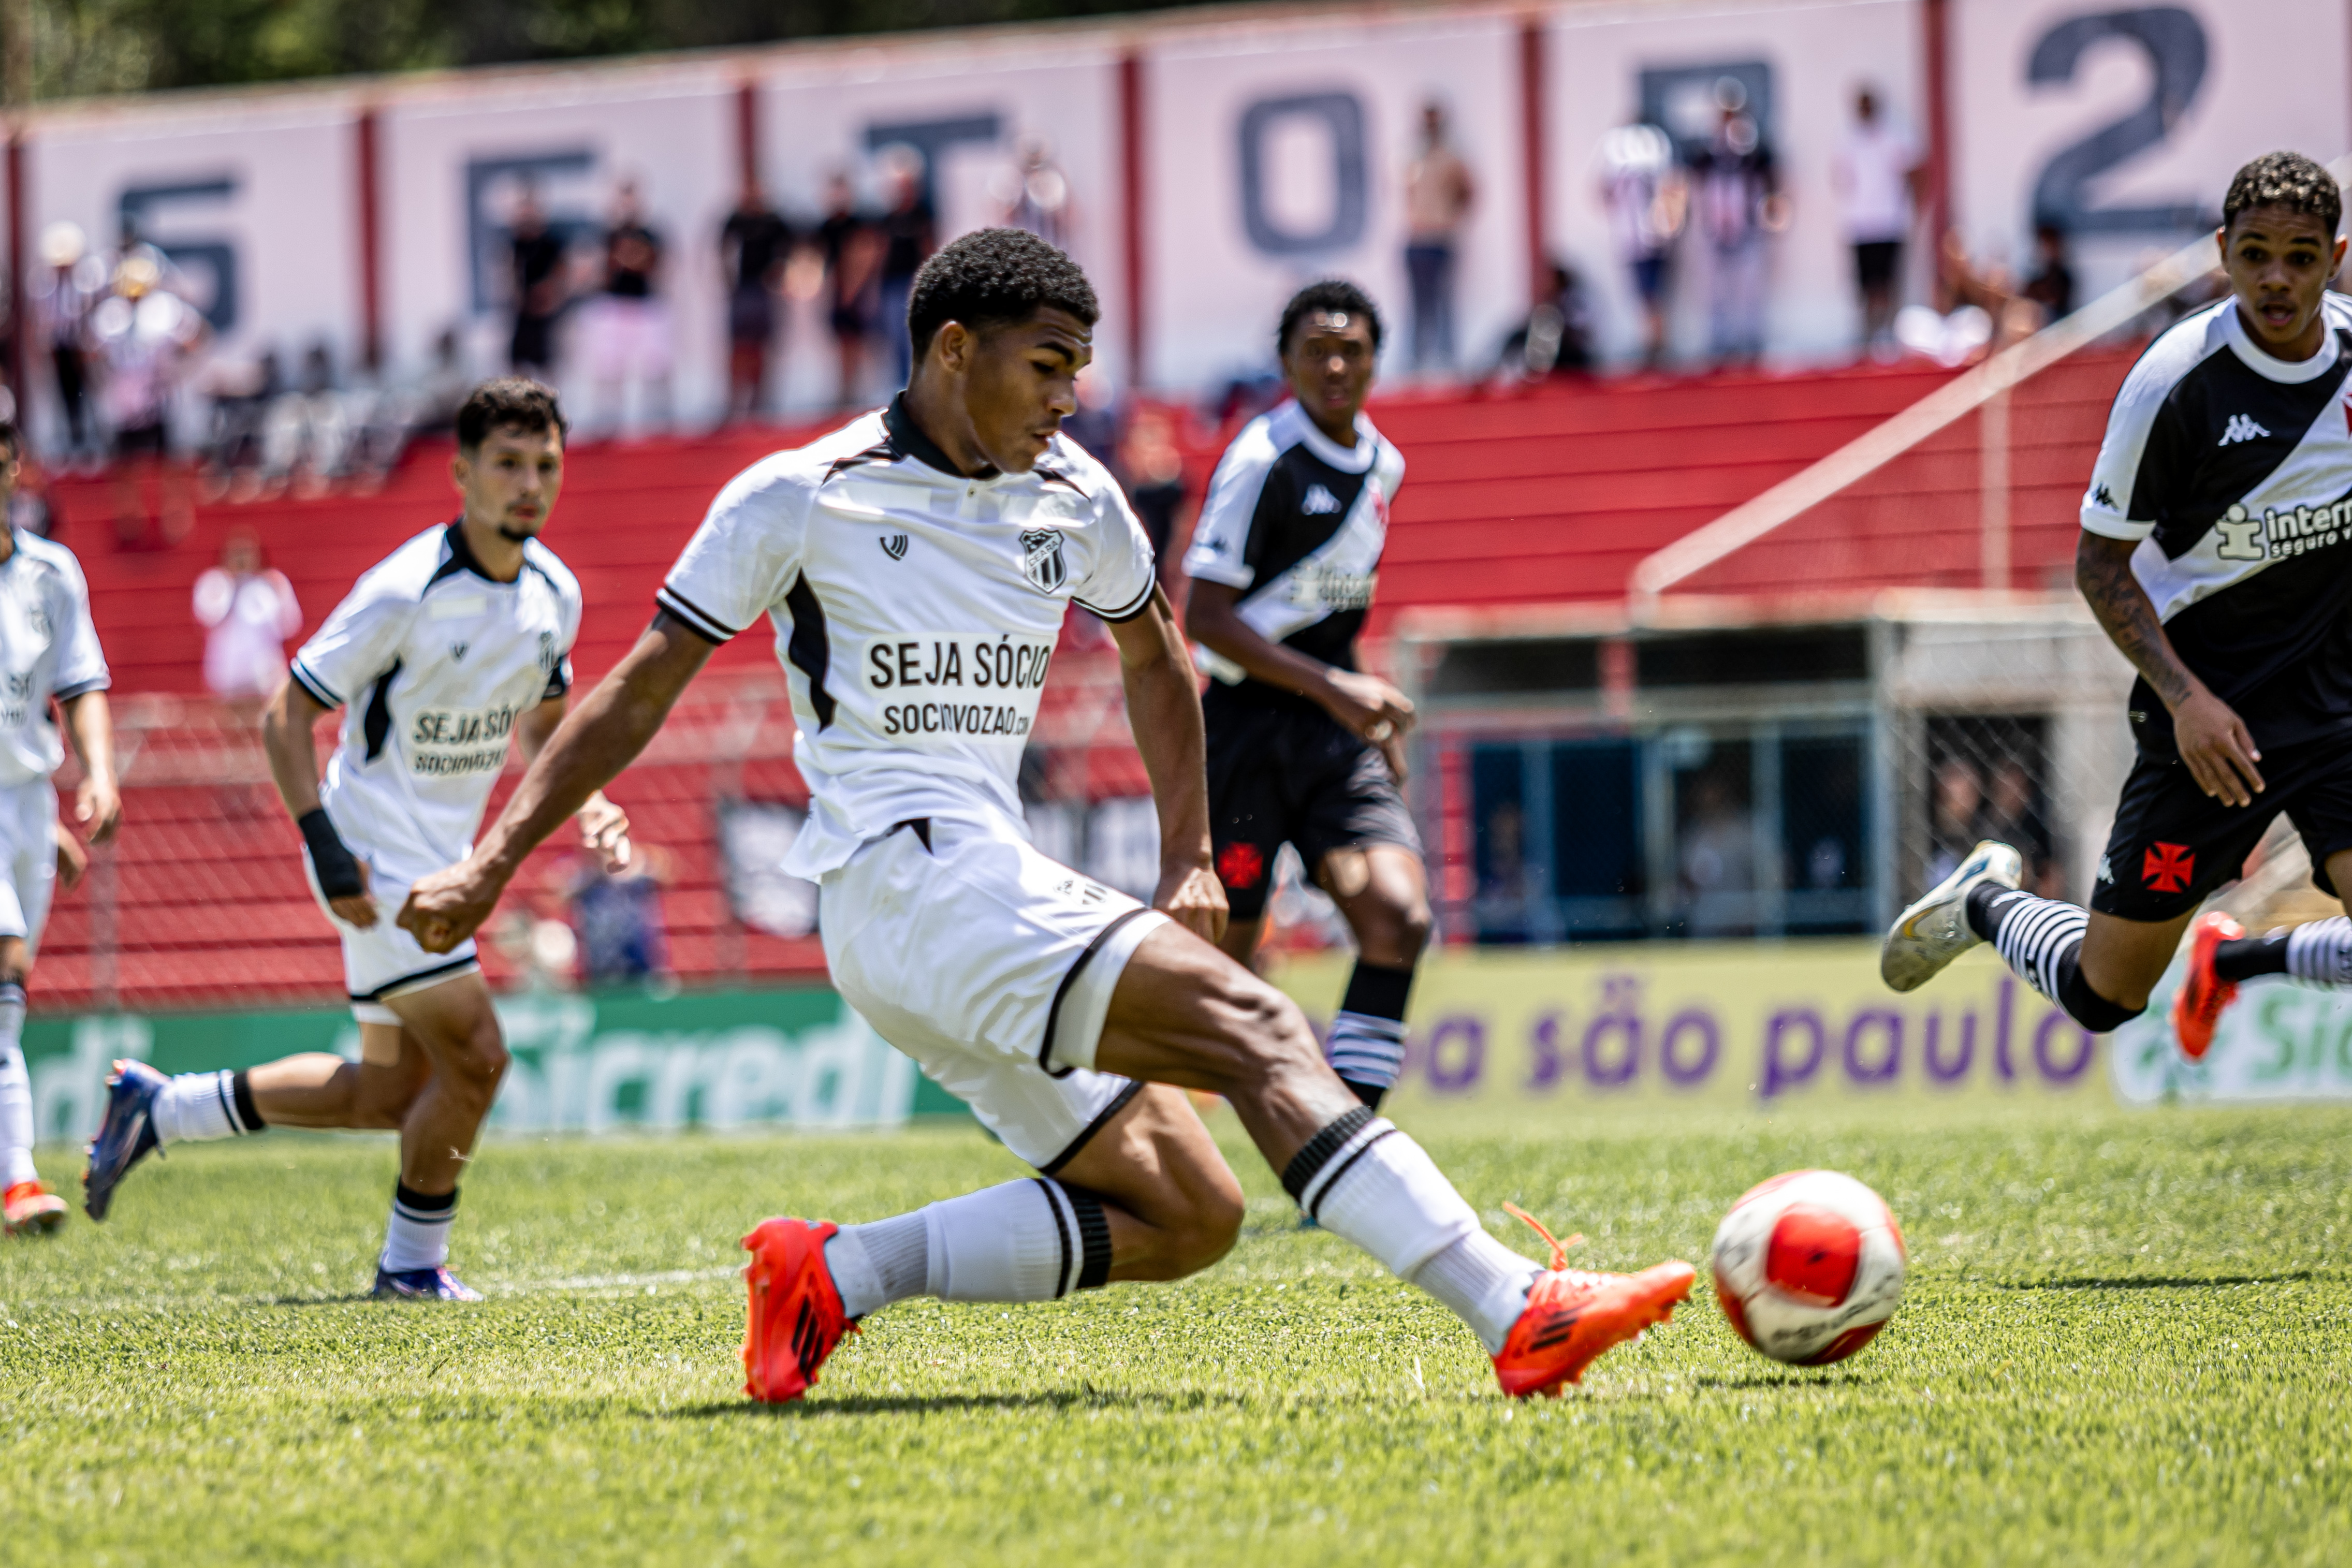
[[432, 663], [916, 613], [48, 648]]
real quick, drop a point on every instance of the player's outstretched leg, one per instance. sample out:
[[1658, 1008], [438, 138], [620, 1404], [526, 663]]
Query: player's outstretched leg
[[27, 1207], [2221, 955], [1144, 1194], [1185, 1014]]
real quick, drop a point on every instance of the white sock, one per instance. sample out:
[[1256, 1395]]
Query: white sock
[[1484, 1282], [15, 1091], [2320, 952], [196, 1106], [1032, 1240], [876, 1264], [418, 1234], [1361, 1178]]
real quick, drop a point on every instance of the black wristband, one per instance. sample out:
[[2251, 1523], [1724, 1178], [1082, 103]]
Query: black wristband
[[339, 873]]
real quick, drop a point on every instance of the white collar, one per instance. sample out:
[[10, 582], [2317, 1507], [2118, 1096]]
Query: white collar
[[1356, 459], [2288, 372]]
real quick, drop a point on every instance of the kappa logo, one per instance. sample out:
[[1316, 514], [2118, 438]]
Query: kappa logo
[[2102, 496], [1081, 890], [1041, 558], [2108, 870], [2242, 427], [1320, 502], [895, 546], [2169, 867]]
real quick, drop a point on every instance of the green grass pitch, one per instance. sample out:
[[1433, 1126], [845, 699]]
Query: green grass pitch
[[2127, 1339]]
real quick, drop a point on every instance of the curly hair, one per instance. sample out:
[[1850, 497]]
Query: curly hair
[[2286, 179], [993, 277], [1333, 294], [509, 402]]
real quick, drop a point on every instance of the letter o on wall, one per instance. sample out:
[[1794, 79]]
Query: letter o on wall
[[1342, 116]]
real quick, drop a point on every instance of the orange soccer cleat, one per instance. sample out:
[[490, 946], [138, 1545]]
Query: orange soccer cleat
[[2196, 1004], [1574, 1316], [796, 1317], [32, 1209]]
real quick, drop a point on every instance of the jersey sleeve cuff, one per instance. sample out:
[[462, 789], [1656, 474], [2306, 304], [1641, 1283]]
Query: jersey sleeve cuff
[[1213, 572], [2108, 525], [693, 617], [82, 688], [317, 689], [1135, 607]]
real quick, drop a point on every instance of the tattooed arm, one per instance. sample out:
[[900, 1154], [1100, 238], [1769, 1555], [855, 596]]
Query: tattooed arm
[[2212, 739]]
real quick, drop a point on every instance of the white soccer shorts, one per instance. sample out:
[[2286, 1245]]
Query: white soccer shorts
[[382, 960], [992, 967], [28, 858]]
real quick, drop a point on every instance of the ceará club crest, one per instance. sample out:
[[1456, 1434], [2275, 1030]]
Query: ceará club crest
[[1041, 558]]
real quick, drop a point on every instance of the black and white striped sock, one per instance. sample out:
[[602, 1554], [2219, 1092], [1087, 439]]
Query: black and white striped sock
[[2320, 952], [1367, 1044], [2040, 940]]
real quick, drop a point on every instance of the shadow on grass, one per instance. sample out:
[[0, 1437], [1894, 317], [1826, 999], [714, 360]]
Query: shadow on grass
[[1795, 1377], [2158, 1281], [1056, 1401]]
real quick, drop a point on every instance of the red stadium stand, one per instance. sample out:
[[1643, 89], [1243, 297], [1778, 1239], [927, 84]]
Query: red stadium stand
[[1527, 497]]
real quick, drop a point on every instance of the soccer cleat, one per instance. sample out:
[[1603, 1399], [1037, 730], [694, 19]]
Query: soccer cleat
[[126, 1133], [2196, 1004], [796, 1316], [1573, 1317], [421, 1285], [33, 1209], [1935, 931]]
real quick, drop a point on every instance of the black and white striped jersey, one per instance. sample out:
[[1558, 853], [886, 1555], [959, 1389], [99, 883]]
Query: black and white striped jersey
[[2234, 469], [432, 662], [1298, 522]]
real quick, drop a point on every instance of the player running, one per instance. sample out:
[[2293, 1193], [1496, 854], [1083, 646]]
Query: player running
[[916, 565], [2217, 552], [49, 650], [1304, 749], [452, 647]]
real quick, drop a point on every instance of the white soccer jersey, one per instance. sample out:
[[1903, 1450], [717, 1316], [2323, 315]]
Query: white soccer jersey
[[432, 663], [915, 613], [48, 649]]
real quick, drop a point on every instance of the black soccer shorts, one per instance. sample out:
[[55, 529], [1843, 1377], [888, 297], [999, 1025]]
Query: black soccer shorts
[[1282, 776], [2173, 844]]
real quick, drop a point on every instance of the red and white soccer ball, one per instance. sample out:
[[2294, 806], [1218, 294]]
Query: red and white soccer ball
[[1809, 1266]]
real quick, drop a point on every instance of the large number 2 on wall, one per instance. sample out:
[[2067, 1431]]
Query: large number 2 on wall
[[2175, 44]]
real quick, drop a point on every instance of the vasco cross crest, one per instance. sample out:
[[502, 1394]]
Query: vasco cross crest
[[1041, 558]]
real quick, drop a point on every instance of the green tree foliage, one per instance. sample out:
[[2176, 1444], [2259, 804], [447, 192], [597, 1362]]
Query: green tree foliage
[[91, 46]]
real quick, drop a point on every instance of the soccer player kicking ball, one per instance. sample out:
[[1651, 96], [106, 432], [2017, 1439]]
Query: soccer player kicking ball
[[452, 647], [916, 565], [50, 651], [2217, 552], [1303, 747]]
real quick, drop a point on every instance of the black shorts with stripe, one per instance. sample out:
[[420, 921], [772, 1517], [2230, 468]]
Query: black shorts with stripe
[[2173, 844], [1281, 775]]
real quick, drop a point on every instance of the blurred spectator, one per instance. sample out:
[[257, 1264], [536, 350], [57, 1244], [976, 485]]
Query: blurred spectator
[[1033, 193], [247, 611], [629, 325], [537, 256], [1094, 424], [1556, 340], [1438, 194], [853, 253], [241, 390], [618, 915], [1718, 860], [143, 336], [1976, 310], [1879, 174], [1739, 204], [753, 245], [62, 299], [909, 234], [2052, 286], [2012, 814], [1647, 202], [306, 432], [1153, 472], [1953, 804], [443, 389]]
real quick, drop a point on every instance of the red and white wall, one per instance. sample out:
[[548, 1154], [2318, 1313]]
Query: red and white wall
[[1215, 162]]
